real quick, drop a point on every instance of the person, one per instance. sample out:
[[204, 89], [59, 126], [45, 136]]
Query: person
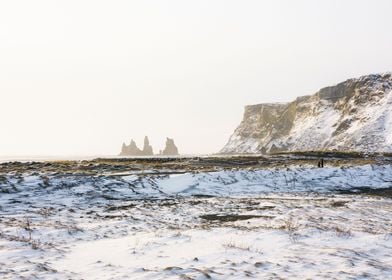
[[320, 163]]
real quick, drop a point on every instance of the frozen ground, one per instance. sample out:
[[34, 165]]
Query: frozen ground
[[289, 223]]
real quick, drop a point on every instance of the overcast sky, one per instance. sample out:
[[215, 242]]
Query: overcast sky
[[81, 77]]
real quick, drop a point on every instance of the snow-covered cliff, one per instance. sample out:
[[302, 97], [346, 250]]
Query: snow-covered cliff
[[355, 115]]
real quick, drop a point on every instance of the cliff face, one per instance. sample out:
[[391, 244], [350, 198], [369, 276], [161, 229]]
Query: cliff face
[[355, 115]]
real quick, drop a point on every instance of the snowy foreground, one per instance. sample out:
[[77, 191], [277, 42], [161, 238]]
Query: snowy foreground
[[290, 223]]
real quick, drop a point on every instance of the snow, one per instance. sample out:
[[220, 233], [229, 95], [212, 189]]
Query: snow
[[313, 132], [220, 253], [298, 179], [388, 120], [293, 223]]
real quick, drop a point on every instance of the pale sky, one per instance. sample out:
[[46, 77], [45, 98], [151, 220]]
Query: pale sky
[[81, 77]]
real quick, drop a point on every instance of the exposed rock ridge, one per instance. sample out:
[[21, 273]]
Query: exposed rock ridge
[[355, 115]]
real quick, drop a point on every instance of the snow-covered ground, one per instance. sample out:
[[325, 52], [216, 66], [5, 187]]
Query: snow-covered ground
[[290, 223]]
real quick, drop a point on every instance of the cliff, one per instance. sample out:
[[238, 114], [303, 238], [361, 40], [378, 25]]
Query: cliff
[[355, 115]]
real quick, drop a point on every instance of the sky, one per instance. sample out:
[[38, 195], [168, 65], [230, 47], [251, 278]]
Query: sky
[[80, 77]]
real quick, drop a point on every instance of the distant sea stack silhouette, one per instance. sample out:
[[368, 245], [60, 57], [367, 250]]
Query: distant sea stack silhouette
[[170, 149], [130, 150], [133, 150], [147, 148]]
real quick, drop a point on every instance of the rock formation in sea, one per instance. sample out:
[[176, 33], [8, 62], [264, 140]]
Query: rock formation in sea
[[170, 148], [132, 149], [147, 148]]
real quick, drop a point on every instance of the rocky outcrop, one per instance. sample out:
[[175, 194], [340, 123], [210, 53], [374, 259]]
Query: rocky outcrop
[[147, 148], [355, 115], [170, 148], [132, 149]]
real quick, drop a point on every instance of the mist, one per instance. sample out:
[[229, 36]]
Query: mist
[[82, 77]]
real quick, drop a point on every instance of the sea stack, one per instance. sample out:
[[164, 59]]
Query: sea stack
[[170, 148], [147, 148], [131, 149]]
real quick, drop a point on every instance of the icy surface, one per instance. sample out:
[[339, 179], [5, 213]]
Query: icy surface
[[294, 223]]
